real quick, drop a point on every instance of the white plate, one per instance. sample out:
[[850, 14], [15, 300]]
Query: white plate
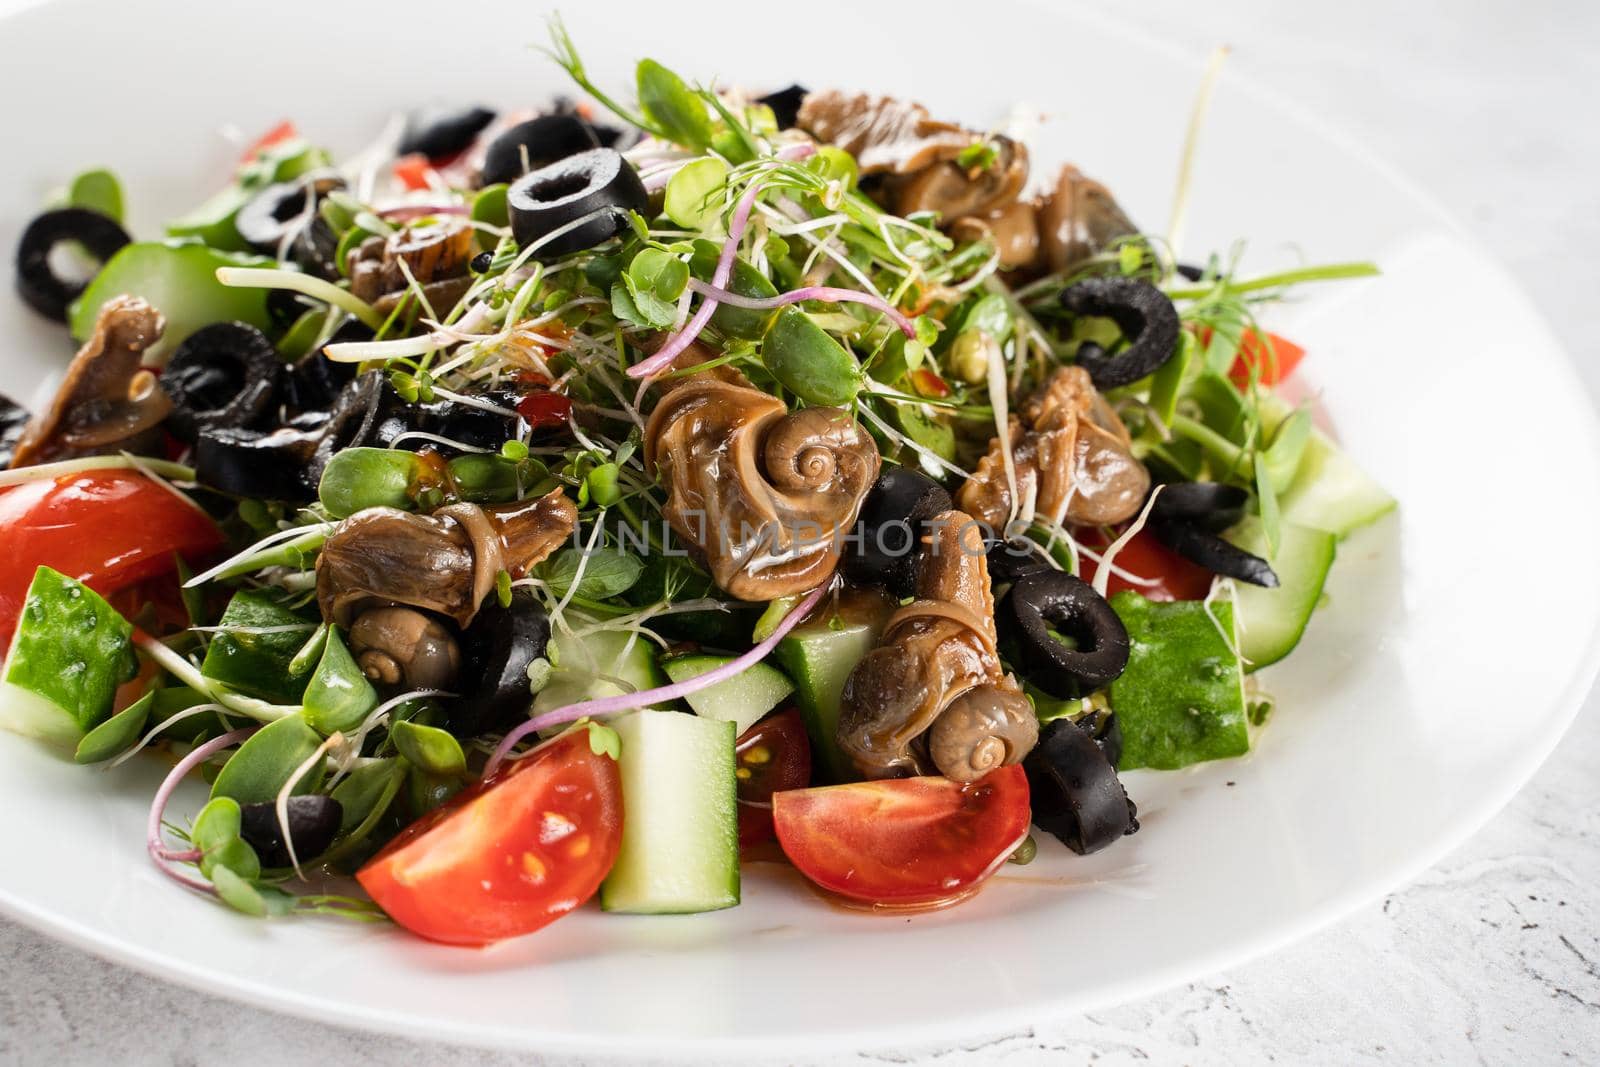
[[1439, 676]]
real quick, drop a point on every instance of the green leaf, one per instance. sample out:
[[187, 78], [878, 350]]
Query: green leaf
[[1267, 499], [338, 696], [97, 190], [602, 482], [691, 199], [991, 314], [425, 792], [364, 788], [117, 734], [216, 834], [428, 747], [360, 478], [1288, 448], [604, 741], [1167, 383], [672, 106], [260, 767], [808, 361], [608, 572], [490, 205], [256, 662], [237, 892], [655, 279]]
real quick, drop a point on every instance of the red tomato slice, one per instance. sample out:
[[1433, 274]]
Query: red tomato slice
[[509, 855], [904, 842], [283, 131], [773, 755], [412, 171], [1167, 575], [107, 528], [1277, 357]]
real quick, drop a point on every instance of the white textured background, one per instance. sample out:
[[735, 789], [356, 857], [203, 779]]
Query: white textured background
[[1494, 955]]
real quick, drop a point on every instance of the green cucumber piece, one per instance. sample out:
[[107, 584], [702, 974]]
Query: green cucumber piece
[[1272, 620], [1330, 492], [742, 699], [255, 663], [180, 281], [680, 826], [819, 657], [1181, 698], [580, 662], [69, 653]]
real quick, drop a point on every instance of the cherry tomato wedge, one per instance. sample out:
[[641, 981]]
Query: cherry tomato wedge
[[107, 528], [904, 842], [773, 755], [509, 855], [412, 171], [1276, 357], [283, 131], [1166, 575]]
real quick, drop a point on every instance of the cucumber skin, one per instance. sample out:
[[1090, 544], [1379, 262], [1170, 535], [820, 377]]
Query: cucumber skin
[[70, 652], [1181, 699], [1272, 621], [635, 884], [815, 660]]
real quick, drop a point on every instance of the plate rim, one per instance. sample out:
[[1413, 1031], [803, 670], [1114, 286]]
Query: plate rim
[[1580, 682]]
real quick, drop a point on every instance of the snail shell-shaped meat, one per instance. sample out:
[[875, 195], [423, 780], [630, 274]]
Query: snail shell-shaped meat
[[403, 648], [761, 494]]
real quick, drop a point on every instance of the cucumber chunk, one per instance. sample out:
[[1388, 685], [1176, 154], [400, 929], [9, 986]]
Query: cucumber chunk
[[600, 664], [69, 653], [1181, 698], [180, 281], [254, 647], [741, 700], [680, 826], [1329, 492], [820, 657], [1272, 620]]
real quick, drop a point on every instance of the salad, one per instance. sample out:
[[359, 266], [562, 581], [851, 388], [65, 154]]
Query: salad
[[586, 500]]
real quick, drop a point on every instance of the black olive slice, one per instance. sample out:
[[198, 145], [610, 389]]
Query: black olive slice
[[1211, 506], [40, 287], [1213, 553], [315, 381], [1046, 600], [1102, 725], [1074, 790], [13, 420], [537, 143], [467, 423], [1142, 312], [890, 530], [496, 651], [598, 182], [785, 105], [249, 463], [225, 374], [279, 213], [313, 820], [441, 134], [366, 414], [1010, 560]]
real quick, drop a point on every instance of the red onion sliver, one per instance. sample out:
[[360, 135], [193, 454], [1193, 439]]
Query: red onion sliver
[[681, 340], [159, 853], [828, 293]]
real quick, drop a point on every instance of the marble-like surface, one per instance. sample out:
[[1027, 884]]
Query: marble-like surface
[[1493, 956]]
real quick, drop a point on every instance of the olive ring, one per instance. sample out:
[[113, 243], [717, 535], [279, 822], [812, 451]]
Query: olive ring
[[1042, 600], [37, 281], [1142, 312]]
